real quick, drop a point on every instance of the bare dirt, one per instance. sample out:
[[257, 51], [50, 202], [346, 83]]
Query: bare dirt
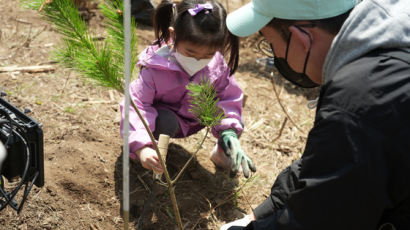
[[82, 143]]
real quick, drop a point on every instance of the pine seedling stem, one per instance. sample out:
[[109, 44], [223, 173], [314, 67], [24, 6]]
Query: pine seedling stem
[[167, 177]]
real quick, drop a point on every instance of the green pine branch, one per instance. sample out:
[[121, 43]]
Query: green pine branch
[[100, 61], [203, 103], [112, 10]]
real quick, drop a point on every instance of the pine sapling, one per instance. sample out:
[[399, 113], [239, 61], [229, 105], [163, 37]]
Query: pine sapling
[[205, 109]]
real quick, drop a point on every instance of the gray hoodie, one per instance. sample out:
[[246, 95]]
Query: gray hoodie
[[372, 24]]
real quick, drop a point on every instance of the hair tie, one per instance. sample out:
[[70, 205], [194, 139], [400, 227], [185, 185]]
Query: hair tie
[[174, 11], [200, 7]]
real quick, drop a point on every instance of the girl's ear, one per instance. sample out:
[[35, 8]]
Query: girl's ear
[[303, 36], [171, 35]]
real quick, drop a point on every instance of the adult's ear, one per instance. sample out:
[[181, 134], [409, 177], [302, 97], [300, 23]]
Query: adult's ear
[[304, 36]]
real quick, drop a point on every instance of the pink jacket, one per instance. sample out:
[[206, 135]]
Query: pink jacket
[[161, 84]]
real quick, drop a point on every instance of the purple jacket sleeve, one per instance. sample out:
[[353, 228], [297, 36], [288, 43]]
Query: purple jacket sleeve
[[142, 92], [230, 100]]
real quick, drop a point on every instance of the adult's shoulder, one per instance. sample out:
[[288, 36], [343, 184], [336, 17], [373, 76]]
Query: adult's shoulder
[[376, 86]]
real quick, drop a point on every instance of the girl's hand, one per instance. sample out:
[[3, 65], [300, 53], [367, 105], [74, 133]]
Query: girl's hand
[[232, 148], [149, 159]]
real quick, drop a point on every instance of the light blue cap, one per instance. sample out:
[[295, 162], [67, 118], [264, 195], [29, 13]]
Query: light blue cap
[[253, 16]]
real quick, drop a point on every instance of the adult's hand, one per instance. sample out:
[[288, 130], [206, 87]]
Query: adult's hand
[[238, 223]]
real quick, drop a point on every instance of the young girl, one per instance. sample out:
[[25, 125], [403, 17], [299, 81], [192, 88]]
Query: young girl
[[191, 39]]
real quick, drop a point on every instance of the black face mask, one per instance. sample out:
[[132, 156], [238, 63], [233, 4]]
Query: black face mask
[[299, 79]]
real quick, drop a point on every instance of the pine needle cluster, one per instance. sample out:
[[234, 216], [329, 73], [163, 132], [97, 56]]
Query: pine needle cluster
[[204, 103], [101, 61]]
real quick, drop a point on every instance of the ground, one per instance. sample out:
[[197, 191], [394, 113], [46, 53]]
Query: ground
[[83, 147]]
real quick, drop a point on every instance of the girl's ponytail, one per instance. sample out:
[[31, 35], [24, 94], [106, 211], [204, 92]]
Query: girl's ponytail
[[162, 19], [231, 42], [232, 46]]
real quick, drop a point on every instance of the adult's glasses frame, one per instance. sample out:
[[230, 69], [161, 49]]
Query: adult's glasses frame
[[266, 48]]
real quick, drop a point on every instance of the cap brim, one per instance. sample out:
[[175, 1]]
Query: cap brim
[[246, 21]]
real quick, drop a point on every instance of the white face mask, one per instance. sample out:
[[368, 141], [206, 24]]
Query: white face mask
[[190, 64]]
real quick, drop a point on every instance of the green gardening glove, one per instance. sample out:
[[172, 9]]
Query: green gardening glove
[[230, 144]]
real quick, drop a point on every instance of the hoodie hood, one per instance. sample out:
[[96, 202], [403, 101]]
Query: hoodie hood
[[158, 57], [372, 24]]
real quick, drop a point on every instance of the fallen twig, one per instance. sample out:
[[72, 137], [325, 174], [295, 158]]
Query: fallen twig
[[256, 125], [245, 97], [28, 69], [210, 215], [281, 129], [249, 204], [31, 38], [94, 227], [283, 108], [22, 21], [143, 183]]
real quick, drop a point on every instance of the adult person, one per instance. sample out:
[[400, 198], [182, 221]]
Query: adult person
[[354, 173]]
